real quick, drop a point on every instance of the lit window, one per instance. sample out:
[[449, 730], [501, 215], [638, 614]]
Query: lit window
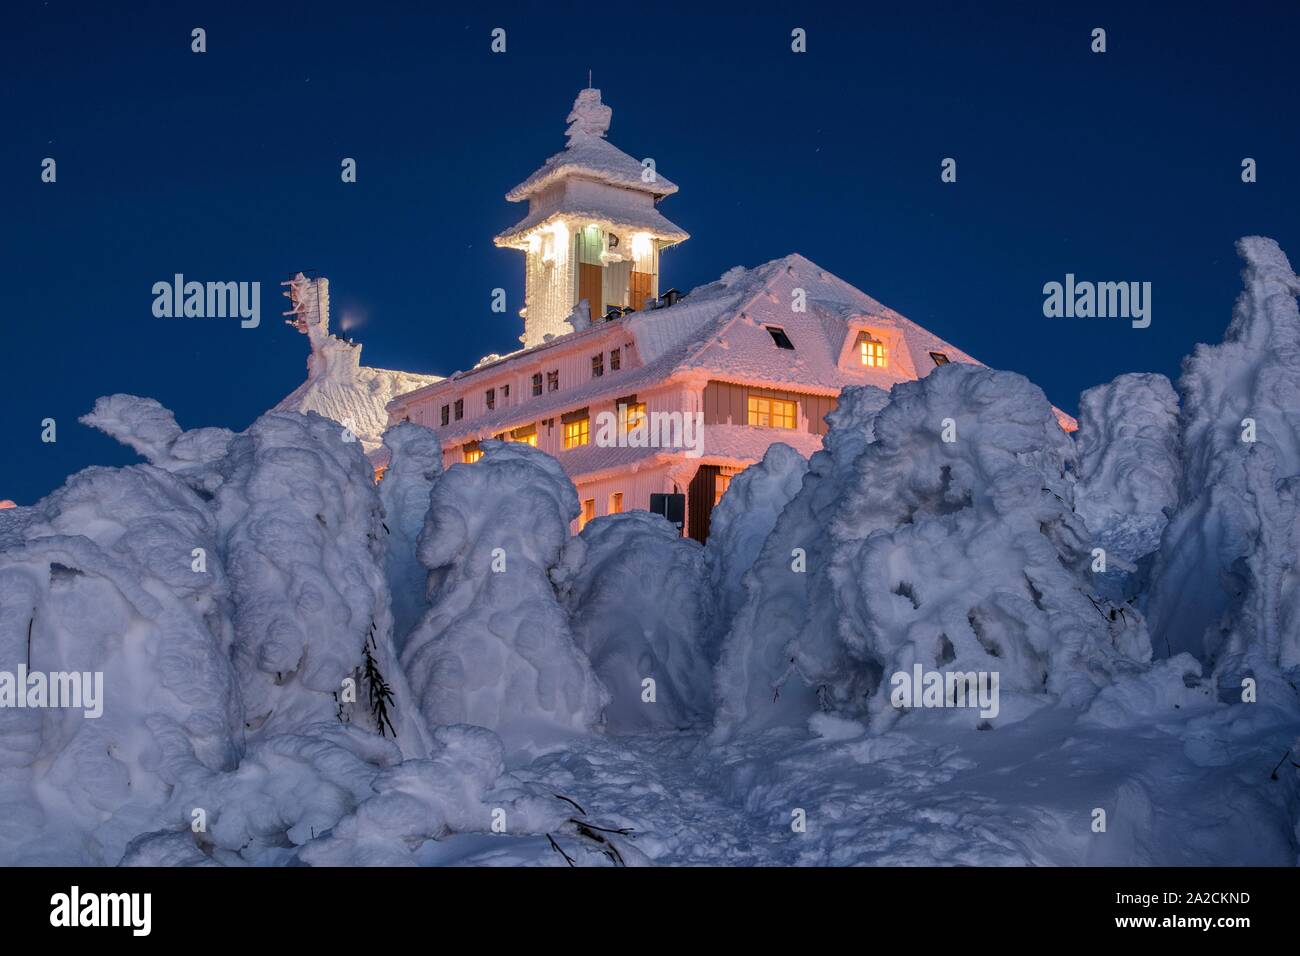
[[615, 359], [491, 397], [722, 483], [872, 352], [939, 358], [526, 434], [598, 365], [537, 383], [446, 414], [779, 337], [460, 409], [588, 512], [472, 452], [553, 381], [577, 432], [616, 503], [771, 412], [635, 414]]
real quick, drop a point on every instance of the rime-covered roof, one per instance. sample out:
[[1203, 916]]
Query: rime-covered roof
[[590, 155]]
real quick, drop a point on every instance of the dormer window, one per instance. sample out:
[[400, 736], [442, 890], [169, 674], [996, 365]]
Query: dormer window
[[939, 358], [779, 337], [872, 352]]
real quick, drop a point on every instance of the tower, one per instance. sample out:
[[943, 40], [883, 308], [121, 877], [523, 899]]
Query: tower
[[592, 231]]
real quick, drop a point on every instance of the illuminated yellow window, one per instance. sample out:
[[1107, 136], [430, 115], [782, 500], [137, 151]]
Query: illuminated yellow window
[[526, 434], [588, 512], [873, 353], [771, 412], [635, 414], [576, 433], [720, 486], [616, 503], [472, 453]]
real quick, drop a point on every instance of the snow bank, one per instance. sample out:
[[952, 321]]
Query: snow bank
[[638, 600], [496, 648], [1226, 587]]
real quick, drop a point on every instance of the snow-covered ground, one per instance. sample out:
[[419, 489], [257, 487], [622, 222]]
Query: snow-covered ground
[[298, 666]]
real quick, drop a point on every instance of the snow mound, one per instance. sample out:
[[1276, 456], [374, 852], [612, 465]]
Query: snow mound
[[638, 597], [1226, 584], [496, 648]]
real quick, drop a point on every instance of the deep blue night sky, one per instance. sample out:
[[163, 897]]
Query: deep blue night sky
[[225, 166]]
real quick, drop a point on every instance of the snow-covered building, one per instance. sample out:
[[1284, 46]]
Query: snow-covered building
[[338, 386], [640, 394]]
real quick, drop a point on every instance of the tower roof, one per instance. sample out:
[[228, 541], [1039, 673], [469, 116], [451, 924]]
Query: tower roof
[[589, 155]]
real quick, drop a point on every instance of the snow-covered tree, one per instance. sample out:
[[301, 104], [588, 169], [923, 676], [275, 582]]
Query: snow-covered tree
[[739, 526], [638, 599], [496, 648], [115, 574], [1129, 469], [956, 548], [301, 536], [787, 591], [1226, 584]]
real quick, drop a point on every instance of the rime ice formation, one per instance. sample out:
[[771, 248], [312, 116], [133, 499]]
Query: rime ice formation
[[338, 386], [956, 547], [1225, 585], [496, 648], [415, 461], [1128, 461], [100, 577], [780, 603], [740, 524], [638, 598]]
